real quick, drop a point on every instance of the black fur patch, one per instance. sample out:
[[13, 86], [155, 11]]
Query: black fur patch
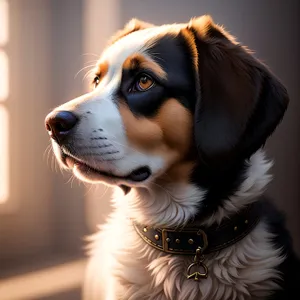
[[171, 54], [219, 182]]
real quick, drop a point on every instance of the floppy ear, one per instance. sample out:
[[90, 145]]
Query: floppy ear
[[240, 102], [131, 26]]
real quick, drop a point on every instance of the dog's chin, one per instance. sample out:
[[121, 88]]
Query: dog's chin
[[87, 173]]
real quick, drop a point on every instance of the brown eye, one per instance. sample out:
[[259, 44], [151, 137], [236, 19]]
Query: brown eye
[[144, 83], [96, 81]]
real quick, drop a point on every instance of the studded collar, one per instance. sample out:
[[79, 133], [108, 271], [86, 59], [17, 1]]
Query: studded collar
[[208, 239]]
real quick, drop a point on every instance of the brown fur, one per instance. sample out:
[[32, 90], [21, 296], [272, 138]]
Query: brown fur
[[161, 135], [102, 69], [139, 60], [179, 172]]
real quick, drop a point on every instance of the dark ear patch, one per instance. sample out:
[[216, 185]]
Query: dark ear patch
[[271, 106], [131, 26], [240, 102], [229, 90]]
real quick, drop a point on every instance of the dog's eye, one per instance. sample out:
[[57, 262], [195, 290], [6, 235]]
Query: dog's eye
[[143, 83], [96, 81]]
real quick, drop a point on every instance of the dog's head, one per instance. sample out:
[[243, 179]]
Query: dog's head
[[166, 101]]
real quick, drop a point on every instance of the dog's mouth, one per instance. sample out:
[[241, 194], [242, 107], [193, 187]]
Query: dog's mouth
[[137, 175]]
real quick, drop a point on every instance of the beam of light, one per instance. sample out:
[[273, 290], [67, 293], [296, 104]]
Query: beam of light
[[4, 90], [4, 75], [4, 170], [43, 283], [3, 22]]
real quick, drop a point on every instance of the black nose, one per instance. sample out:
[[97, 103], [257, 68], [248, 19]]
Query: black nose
[[59, 124]]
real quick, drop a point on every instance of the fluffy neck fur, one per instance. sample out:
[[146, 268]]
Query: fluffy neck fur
[[123, 266], [176, 204]]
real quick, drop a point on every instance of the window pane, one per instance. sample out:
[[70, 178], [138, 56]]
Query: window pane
[[4, 174], [3, 22], [3, 75]]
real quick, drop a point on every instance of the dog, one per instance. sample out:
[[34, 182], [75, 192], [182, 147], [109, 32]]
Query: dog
[[177, 121]]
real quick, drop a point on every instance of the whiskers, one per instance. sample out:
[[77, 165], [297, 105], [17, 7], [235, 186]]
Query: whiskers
[[47, 153], [88, 74], [84, 68], [95, 187], [91, 54], [78, 181], [71, 180], [91, 66], [51, 160]]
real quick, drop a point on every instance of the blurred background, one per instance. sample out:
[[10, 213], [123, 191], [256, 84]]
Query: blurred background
[[45, 215]]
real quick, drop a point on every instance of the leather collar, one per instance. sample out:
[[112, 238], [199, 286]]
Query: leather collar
[[209, 239]]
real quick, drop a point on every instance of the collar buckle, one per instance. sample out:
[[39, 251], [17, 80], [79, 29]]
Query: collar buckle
[[204, 238], [165, 240]]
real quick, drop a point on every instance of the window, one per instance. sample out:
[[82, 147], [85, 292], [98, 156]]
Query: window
[[4, 115]]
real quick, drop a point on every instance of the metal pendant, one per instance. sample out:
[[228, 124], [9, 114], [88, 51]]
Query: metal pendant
[[201, 273], [202, 270]]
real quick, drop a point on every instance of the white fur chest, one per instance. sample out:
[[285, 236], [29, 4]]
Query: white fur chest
[[124, 267]]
